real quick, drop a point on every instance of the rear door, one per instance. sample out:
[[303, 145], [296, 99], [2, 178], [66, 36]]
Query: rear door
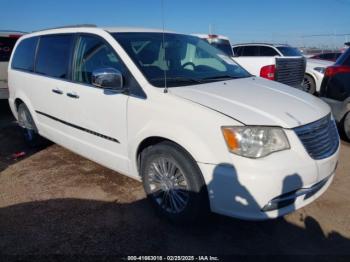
[[48, 84]]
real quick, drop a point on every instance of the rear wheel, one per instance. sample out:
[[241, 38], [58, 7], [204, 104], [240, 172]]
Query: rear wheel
[[345, 126], [30, 131], [173, 183], [309, 84]]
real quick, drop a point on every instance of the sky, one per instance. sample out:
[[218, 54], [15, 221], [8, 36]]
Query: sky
[[278, 21]]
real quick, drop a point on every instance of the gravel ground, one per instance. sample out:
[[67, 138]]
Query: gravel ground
[[55, 202]]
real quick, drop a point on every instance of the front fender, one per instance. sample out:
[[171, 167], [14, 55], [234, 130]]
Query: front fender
[[191, 141]]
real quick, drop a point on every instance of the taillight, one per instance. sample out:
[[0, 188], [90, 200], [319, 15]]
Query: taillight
[[333, 70], [268, 72]]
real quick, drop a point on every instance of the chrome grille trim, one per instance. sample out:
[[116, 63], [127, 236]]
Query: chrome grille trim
[[290, 71], [319, 138]]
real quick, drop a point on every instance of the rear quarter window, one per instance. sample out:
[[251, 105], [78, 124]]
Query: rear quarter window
[[54, 55], [344, 59], [347, 60], [24, 55]]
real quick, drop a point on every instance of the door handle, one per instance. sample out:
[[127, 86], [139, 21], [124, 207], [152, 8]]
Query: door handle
[[57, 91], [73, 95]]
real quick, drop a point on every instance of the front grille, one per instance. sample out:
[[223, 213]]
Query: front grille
[[319, 138], [290, 71]]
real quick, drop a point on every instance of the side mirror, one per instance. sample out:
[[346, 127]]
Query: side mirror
[[108, 78]]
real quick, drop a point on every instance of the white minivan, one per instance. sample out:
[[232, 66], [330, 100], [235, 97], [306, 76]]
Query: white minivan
[[171, 110]]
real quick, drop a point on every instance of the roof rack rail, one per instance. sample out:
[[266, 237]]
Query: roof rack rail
[[67, 26]]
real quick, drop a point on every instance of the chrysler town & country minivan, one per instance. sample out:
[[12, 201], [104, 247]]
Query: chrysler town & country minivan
[[179, 115]]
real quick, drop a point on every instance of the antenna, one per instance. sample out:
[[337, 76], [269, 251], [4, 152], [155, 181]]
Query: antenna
[[163, 25]]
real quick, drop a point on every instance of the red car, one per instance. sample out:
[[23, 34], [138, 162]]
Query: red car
[[331, 56]]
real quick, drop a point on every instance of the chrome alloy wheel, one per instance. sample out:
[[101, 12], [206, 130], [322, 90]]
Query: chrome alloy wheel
[[306, 84], [168, 184]]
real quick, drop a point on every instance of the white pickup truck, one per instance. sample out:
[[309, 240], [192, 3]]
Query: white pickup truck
[[281, 63], [278, 62], [7, 42]]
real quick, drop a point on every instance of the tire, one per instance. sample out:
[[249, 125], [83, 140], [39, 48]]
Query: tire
[[173, 183], [345, 126], [30, 131], [309, 84]]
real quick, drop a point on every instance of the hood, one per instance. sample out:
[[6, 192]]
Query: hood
[[257, 101]]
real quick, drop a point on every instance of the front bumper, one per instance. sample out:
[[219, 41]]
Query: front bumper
[[244, 187], [4, 93]]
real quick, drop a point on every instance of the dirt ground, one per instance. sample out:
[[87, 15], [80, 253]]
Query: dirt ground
[[55, 202]]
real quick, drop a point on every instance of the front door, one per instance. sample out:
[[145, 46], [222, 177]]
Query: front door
[[97, 117]]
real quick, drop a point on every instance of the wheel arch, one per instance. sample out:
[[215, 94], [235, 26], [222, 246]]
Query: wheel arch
[[18, 101], [154, 140], [22, 98]]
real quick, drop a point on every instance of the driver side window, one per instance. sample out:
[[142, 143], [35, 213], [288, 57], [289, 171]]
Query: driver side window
[[92, 53]]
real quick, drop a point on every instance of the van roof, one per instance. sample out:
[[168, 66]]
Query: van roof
[[86, 27]]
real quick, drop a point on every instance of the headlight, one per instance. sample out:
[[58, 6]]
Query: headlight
[[255, 141], [320, 69]]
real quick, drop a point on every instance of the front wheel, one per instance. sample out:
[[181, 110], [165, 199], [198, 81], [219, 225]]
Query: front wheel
[[173, 183]]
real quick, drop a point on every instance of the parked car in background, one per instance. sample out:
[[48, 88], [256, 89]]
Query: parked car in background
[[331, 56], [314, 72], [335, 90], [219, 41], [278, 62], [7, 42], [197, 129]]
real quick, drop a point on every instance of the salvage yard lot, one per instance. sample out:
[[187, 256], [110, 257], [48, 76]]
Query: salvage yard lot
[[54, 202]]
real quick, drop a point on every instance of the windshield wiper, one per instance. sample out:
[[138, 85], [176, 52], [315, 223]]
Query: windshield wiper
[[177, 79], [221, 77]]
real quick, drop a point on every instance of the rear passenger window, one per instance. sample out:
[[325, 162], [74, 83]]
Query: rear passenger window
[[250, 51], [93, 53], [54, 55], [267, 51], [23, 57]]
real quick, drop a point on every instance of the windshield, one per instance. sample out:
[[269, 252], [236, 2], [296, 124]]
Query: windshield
[[184, 59], [289, 51]]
